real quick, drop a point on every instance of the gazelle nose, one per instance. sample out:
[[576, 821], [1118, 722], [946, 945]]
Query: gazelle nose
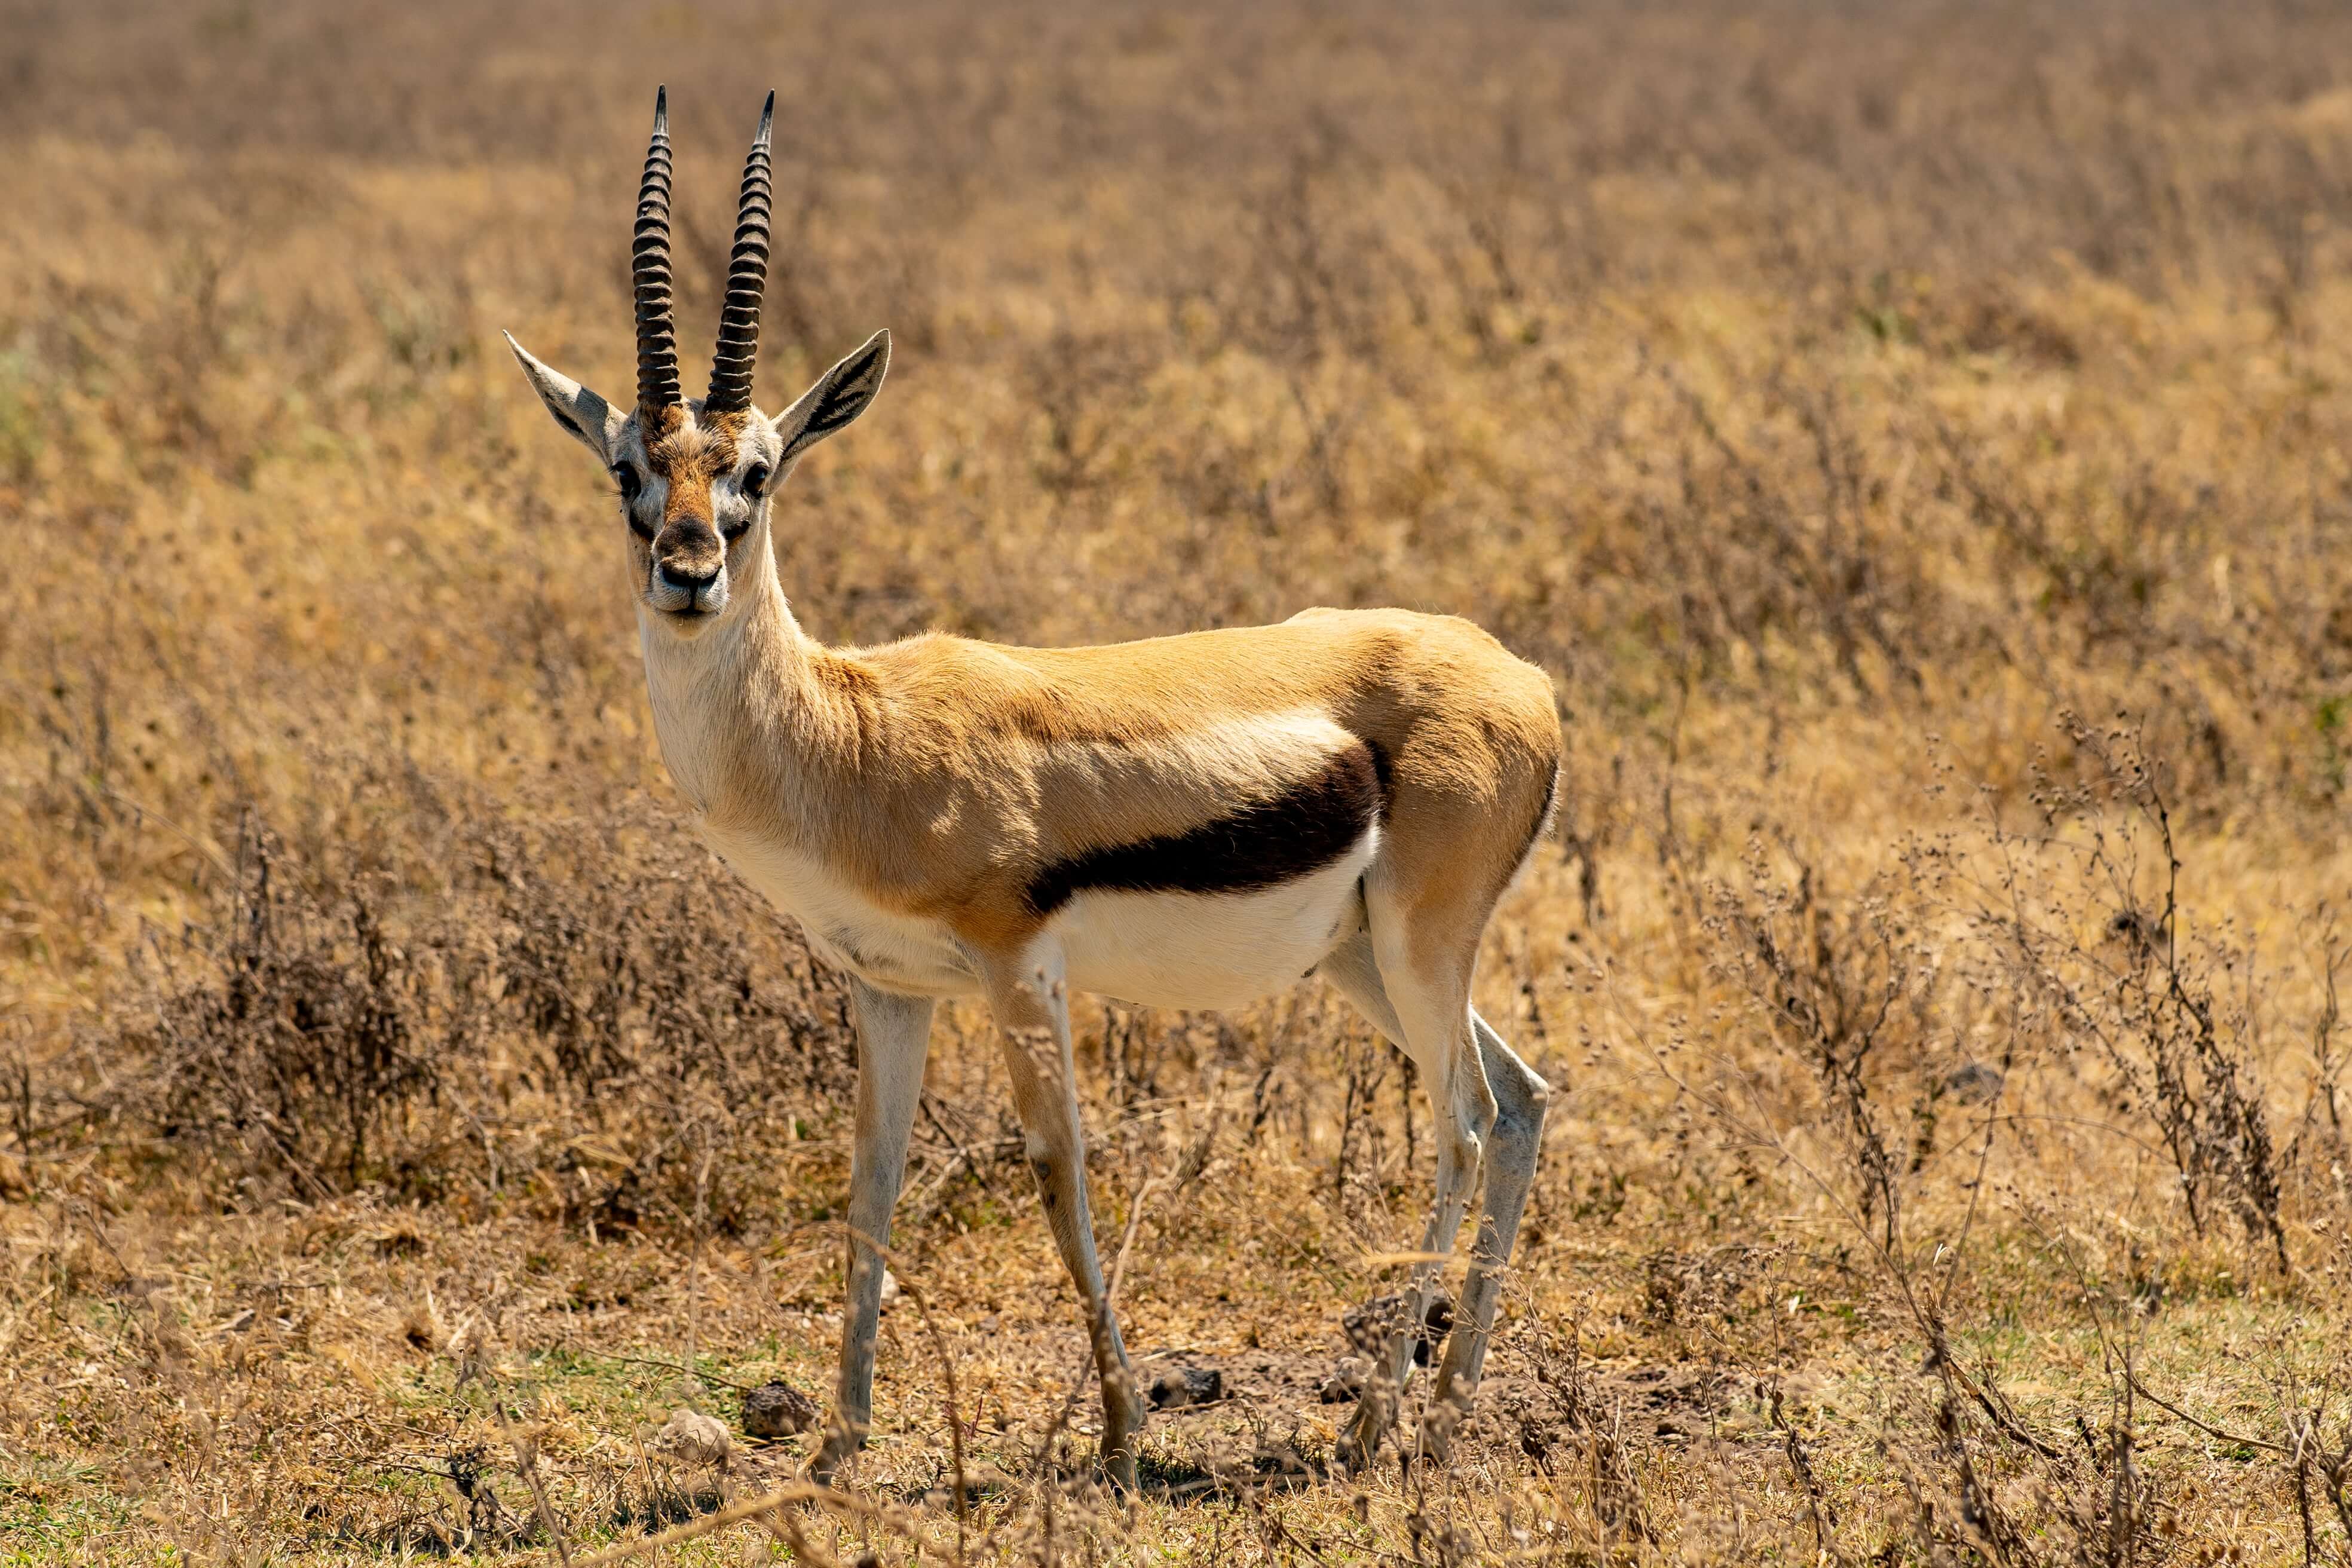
[[688, 577]]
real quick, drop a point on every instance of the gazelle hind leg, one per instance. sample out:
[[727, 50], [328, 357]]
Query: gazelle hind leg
[[1428, 1015], [1511, 1151]]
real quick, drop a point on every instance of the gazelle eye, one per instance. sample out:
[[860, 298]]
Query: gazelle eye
[[755, 481], [625, 475]]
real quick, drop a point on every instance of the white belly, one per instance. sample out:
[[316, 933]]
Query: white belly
[[1210, 949]]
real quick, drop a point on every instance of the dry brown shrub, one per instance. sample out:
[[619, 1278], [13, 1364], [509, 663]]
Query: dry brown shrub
[[585, 1004]]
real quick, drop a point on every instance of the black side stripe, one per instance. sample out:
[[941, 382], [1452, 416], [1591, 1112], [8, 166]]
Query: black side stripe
[[1301, 830]]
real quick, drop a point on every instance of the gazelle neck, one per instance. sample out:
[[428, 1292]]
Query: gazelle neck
[[732, 705]]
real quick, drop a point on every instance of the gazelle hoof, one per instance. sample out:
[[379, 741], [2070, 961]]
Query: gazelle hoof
[[1447, 1409], [824, 1465], [1360, 1444]]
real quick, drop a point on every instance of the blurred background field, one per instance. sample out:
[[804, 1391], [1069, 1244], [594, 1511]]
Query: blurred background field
[[1912, 436]]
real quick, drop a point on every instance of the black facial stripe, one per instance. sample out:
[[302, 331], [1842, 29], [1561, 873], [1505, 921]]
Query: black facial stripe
[[1301, 830]]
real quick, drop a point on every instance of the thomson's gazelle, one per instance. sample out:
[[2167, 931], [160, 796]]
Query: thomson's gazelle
[[1185, 822]]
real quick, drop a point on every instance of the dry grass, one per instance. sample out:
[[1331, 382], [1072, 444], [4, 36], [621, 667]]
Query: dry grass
[[1915, 438]]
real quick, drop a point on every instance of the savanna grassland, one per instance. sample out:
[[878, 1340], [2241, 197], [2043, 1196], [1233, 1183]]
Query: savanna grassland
[[1915, 438]]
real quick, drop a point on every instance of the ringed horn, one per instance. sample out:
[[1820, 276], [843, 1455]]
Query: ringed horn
[[747, 280], [657, 388]]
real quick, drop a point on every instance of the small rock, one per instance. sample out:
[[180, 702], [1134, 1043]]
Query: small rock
[[778, 1410], [1184, 1386], [889, 1287], [694, 1437], [1345, 1382]]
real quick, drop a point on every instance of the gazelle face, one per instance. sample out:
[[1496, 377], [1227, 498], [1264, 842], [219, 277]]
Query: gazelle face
[[694, 498], [695, 478], [694, 488]]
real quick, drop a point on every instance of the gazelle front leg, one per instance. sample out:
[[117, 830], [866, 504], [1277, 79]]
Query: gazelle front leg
[[1030, 1003], [893, 1039]]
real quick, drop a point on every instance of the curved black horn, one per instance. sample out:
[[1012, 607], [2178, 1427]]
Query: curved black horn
[[747, 281], [658, 387]]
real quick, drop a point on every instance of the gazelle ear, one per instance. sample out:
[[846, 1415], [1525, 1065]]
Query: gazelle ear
[[587, 418], [839, 396]]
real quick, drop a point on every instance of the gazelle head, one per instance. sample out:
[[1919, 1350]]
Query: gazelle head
[[695, 477]]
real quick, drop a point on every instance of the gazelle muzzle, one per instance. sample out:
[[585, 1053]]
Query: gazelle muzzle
[[689, 575]]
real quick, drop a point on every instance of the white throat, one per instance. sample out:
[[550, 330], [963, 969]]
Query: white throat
[[717, 692]]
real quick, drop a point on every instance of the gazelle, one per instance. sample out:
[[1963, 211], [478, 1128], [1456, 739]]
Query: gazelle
[[1189, 821]]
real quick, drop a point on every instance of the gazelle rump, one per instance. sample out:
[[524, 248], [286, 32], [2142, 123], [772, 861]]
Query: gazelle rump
[[1191, 821]]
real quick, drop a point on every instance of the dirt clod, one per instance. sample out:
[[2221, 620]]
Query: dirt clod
[[1181, 1386], [694, 1437], [778, 1410]]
